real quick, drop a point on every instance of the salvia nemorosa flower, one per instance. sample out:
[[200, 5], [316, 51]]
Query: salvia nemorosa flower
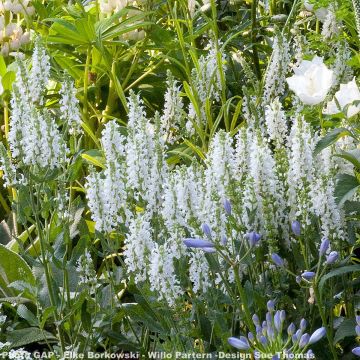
[[325, 243], [253, 238], [198, 243], [296, 228], [332, 257], [277, 260], [308, 275]]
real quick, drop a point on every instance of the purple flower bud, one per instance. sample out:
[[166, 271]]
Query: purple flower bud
[[209, 250], [255, 320], [357, 329], [310, 354], [282, 315], [294, 338], [263, 340], [224, 240], [296, 228], [325, 243], [304, 340], [308, 275], [291, 329], [268, 318], [251, 337], [198, 243], [317, 335], [253, 238], [206, 230], [258, 330], [270, 305], [277, 260], [356, 351], [357, 318], [277, 321], [270, 332], [227, 206], [241, 343], [298, 333], [303, 324], [275, 357], [332, 257]]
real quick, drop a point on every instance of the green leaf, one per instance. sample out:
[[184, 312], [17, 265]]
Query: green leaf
[[13, 268], [26, 314], [346, 186], [337, 272], [94, 157], [27, 336], [346, 329], [85, 317], [8, 80], [330, 138], [353, 156]]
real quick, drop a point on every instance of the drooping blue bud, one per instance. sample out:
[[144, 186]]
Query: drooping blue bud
[[227, 206], [308, 275], [325, 243], [270, 305], [241, 343], [332, 257], [206, 230], [304, 340], [317, 335], [296, 227], [198, 243], [253, 238], [277, 259], [356, 351]]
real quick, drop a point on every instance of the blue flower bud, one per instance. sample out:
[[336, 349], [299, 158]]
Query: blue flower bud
[[224, 240], [310, 354], [270, 305], [209, 250], [251, 337], [291, 329], [294, 338], [325, 243], [303, 324], [241, 343], [277, 321], [357, 329], [227, 206], [275, 357], [298, 279], [317, 335], [270, 332], [253, 238], [198, 243], [258, 330], [332, 257], [206, 230], [277, 260], [356, 351], [282, 315], [304, 340], [296, 228], [268, 318], [308, 275], [255, 320], [298, 333], [263, 340]]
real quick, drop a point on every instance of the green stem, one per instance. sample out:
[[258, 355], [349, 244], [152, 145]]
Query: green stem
[[253, 38]]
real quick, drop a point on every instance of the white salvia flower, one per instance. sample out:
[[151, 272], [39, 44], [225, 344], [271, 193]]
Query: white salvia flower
[[145, 150], [138, 247], [4, 345], [87, 273], [40, 72], [207, 80], [162, 275], [275, 121], [277, 68], [69, 106], [173, 116], [312, 81], [19, 354], [345, 97], [331, 25], [7, 167], [342, 71], [106, 191], [199, 272], [301, 146]]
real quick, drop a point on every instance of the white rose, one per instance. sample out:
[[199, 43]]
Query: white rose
[[312, 81], [345, 97]]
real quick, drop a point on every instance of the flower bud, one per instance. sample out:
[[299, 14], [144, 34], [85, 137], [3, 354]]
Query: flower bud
[[317, 335], [255, 320], [332, 257], [253, 238], [277, 260], [227, 206], [291, 329], [357, 329], [206, 230], [304, 340], [296, 228], [325, 243], [241, 343], [303, 324], [308, 275], [277, 321], [198, 243], [270, 305], [356, 351], [251, 337]]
